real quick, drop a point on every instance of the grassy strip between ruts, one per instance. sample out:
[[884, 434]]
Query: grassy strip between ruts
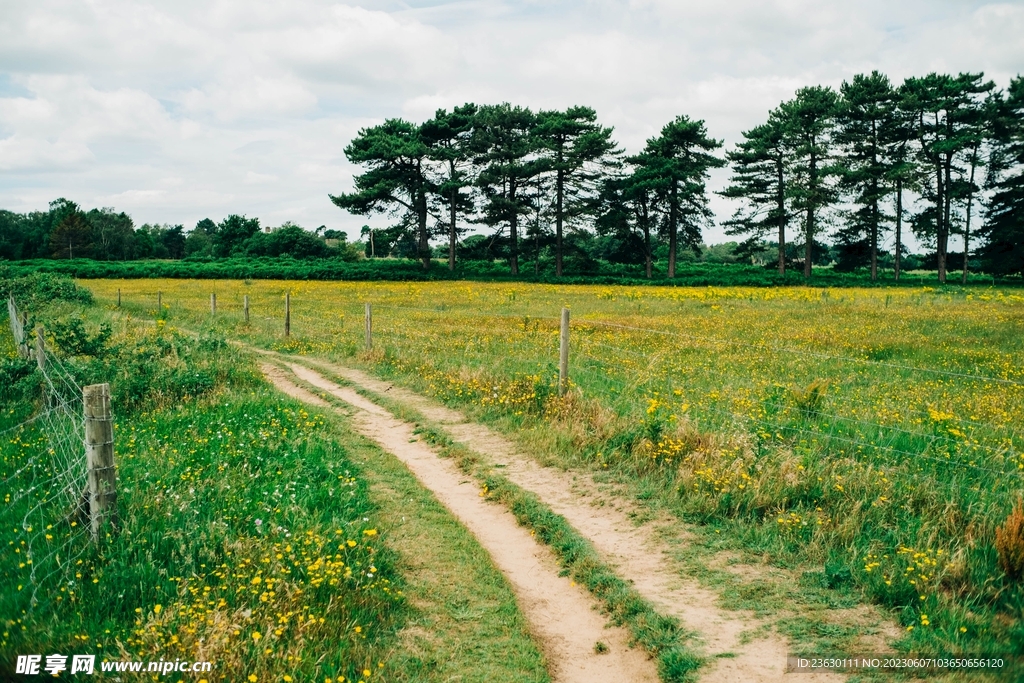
[[661, 636]]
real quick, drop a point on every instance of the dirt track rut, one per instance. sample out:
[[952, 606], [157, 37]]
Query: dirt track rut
[[562, 616]]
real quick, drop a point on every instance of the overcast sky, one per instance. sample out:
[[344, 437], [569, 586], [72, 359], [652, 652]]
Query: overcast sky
[[177, 111]]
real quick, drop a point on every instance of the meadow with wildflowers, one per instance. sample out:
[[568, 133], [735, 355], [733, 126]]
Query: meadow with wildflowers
[[247, 537], [866, 438]]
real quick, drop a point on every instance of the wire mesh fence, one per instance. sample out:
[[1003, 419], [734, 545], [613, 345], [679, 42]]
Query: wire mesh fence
[[45, 482]]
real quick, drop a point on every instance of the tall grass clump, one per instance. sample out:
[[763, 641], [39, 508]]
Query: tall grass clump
[[1010, 543]]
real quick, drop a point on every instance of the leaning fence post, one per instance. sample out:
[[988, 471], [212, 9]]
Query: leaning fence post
[[99, 457], [563, 355], [213, 304], [40, 349], [17, 328], [287, 314], [245, 308], [369, 328]]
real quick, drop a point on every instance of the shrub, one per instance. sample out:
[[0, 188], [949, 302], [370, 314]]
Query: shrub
[[15, 379], [73, 339], [809, 399], [40, 288]]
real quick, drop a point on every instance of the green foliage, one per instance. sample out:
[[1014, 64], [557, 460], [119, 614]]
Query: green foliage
[[867, 128], [232, 234], [18, 381], [950, 114], [759, 179], [448, 137], [73, 339], [807, 121], [676, 163], [164, 368], [481, 267], [31, 288], [288, 239], [506, 154], [574, 148], [395, 182], [1004, 227]]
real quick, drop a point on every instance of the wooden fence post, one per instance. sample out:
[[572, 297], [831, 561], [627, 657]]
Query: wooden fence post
[[245, 308], [159, 302], [40, 349], [563, 355], [99, 457], [24, 336], [369, 328], [213, 304], [119, 297], [287, 314], [17, 327]]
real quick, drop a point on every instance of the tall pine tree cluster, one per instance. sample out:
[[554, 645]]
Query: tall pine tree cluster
[[941, 156], [937, 154]]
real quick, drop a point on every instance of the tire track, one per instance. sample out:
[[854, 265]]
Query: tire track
[[562, 616]]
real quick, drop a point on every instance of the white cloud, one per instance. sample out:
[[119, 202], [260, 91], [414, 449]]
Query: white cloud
[[179, 111]]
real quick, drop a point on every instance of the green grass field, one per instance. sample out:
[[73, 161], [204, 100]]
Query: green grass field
[[865, 439]]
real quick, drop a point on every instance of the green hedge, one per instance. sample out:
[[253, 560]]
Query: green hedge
[[687, 274]]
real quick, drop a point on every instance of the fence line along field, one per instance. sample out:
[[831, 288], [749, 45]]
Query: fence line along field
[[872, 433]]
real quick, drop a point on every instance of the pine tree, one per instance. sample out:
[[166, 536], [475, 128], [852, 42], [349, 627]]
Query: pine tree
[[574, 146], [506, 154], [1003, 232], [759, 178], [808, 121], [675, 164], [395, 182], [865, 114], [945, 109], [448, 139]]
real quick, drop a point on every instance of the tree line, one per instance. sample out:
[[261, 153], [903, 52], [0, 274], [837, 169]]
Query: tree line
[[933, 155], [67, 231]]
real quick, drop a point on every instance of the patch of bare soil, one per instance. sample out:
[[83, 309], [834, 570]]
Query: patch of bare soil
[[279, 378], [562, 616]]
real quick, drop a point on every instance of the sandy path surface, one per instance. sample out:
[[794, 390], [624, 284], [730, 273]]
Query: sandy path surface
[[562, 617], [634, 552]]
